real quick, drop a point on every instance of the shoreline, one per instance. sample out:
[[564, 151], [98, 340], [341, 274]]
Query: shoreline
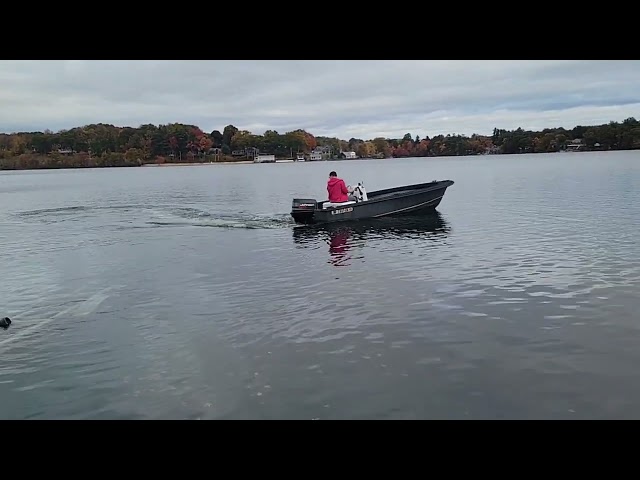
[[250, 162], [195, 164], [106, 146]]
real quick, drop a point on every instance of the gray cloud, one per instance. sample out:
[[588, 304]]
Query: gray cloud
[[357, 98]]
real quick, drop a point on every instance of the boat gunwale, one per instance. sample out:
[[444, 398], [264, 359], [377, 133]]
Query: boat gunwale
[[401, 192]]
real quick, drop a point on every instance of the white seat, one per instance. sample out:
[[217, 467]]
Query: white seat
[[329, 204]]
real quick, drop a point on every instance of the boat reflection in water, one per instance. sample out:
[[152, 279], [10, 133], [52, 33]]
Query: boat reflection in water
[[344, 239]]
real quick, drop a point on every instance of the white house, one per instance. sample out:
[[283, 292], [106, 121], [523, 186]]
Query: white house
[[575, 145], [264, 159], [349, 155]]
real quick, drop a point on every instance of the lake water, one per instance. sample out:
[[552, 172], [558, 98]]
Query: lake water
[[186, 292]]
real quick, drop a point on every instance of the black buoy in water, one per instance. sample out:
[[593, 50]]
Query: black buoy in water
[[5, 322]]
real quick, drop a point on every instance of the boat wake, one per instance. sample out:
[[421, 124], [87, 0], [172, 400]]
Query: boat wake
[[124, 217], [227, 221]]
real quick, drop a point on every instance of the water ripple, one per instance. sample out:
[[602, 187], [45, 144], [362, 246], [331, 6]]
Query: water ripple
[[189, 293]]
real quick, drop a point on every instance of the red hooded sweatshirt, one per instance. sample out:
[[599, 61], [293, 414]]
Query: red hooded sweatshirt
[[338, 192]]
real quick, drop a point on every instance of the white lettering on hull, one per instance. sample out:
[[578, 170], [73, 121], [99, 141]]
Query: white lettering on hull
[[342, 210]]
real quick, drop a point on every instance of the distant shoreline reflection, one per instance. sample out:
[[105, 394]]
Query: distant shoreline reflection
[[341, 238]]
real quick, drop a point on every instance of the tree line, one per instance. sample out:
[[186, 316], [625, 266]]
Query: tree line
[[105, 145]]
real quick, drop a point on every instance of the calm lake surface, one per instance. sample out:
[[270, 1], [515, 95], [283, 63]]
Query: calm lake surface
[[187, 293]]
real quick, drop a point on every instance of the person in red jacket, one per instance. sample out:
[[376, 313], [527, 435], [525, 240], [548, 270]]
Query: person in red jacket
[[338, 192]]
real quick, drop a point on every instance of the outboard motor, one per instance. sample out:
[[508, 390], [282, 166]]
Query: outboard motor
[[360, 192], [303, 209]]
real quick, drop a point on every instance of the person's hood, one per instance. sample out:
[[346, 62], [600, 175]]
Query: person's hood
[[332, 181]]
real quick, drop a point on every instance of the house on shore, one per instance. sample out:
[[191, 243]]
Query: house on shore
[[320, 153], [262, 158], [349, 155], [576, 145], [249, 152]]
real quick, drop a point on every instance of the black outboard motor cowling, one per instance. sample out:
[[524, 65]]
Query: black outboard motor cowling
[[302, 209]]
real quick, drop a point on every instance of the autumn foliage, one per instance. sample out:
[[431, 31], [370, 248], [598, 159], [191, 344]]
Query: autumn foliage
[[103, 145]]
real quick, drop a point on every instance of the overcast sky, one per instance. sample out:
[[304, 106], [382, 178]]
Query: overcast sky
[[356, 98]]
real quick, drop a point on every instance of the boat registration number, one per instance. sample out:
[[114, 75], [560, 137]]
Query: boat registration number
[[342, 210]]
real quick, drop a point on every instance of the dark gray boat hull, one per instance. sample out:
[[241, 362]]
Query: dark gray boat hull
[[409, 199]]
